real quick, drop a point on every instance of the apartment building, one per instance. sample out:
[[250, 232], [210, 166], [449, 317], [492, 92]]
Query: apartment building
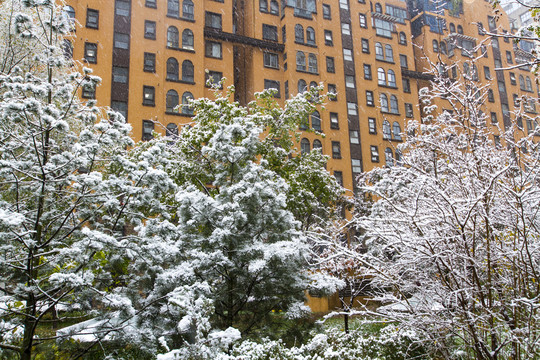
[[155, 54]]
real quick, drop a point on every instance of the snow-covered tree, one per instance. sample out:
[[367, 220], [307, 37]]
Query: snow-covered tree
[[453, 236], [69, 190], [236, 243]]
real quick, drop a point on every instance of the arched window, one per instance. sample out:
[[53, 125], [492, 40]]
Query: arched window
[[300, 61], [529, 84], [389, 156], [378, 8], [383, 99], [188, 71], [452, 28], [402, 38], [187, 39], [299, 33], [172, 37], [188, 10], [312, 63], [304, 146], [312, 85], [172, 69], [387, 132], [394, 105], [435, 46], [460, 29], [69, 12], [263, 5], [392, 78], [172, 101], [398, 157], [442, 45], [317, 144], [474, 74], [381, 76], [172, 131], [521, 82], [389, 53], [274, 7], [396, 130], [173, 8], [379, 53], [302, 86], [316, 121], [310, 35], [186, 109]]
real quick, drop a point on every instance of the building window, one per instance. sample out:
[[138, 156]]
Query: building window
[[305, 147], [346, 29], [365, 46], [121, 41], [149, 95], [383, 100], [327, 12], [391, 78], [92, 18], [396, 131], [316, 121], [300, 61], [487, 73], [274, 7], [263, 5], [383, 28], [402, 38], [302, 86], [351, 109], [149, 62], [310, 36], [354, 138], [271, 60], [435, 46], [336, 150], [150, 29], [509, 57], [188, 71], [187, 40], [367, 72], [328, 39], [494, 118], [343, 4], [171, 101], [89, 91], [403, 61], [173, 8], [409, 110], [512, 78], [213, 49], [147, 130], [299, 34], [372, 126], [388, 53], [213, 78], [369, 98], [332, 91], [349, 81], [186, 109], [442, 46], [286, 85], [389, 157], [406, 85], [122, 8], [173, 37], [379, 51], [347, 55], [172, 69], [339, 177], [491, 97], [273, 84], [269, 32], [213, 20], [188, 10], [171, 132], [387, 132], [394, 109], [90, 52], [374, 153], [363, 21], [381, 77], [356, 165], [334, 121], [120, 74], [330, 66], [151, 4], [120, 107], [529, 84]]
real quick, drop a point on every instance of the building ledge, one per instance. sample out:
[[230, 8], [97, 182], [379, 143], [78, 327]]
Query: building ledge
[[244, 40]]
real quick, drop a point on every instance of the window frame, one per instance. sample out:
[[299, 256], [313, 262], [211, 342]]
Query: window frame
[[92, 24]]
